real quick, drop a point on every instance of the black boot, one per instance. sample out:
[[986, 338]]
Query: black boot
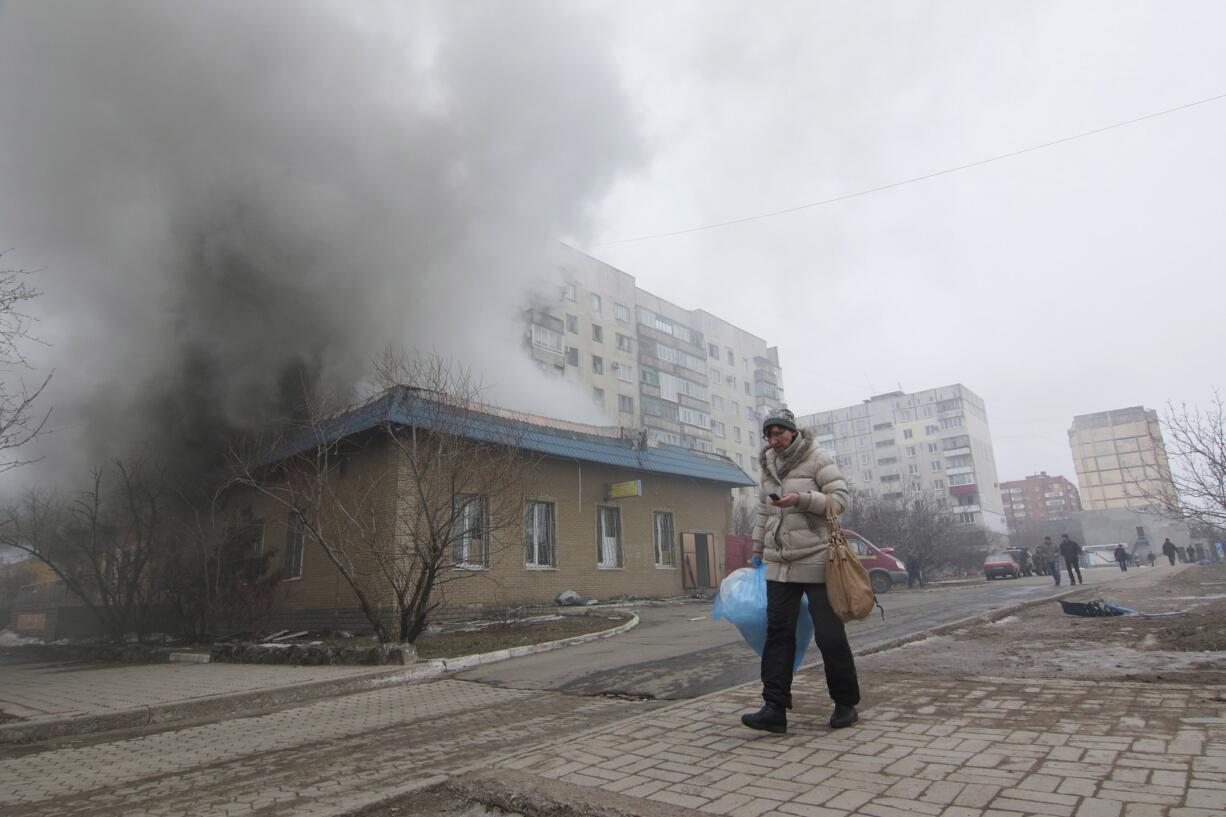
[[769, 718], [843, 716]]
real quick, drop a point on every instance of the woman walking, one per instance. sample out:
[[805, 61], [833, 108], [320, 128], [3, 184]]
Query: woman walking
[[790, 534]]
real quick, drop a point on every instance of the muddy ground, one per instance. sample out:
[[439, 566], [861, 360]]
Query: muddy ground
[[1043, 642]]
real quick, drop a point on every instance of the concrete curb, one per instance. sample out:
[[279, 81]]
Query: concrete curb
[[31, 732]]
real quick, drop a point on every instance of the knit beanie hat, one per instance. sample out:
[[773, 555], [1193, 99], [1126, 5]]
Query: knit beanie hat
[[779, 417]]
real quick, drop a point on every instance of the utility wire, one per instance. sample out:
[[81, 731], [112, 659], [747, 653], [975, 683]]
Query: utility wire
[[914, 179]]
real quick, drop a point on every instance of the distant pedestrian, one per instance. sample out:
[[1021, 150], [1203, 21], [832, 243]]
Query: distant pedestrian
[[1071, 551], [1169, 549], [1045, 558], [913, 573], [1023, 561], [1121, 558], [1150, 558]]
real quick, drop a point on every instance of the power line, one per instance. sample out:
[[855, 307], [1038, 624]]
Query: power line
[[914, 179]]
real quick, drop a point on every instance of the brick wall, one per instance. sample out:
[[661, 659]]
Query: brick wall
[[322, 599]]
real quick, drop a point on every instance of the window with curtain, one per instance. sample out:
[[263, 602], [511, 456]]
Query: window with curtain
[[469, 532], [539, 535], [608, 537]]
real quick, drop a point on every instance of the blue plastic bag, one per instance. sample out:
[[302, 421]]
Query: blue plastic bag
[[742, 600]]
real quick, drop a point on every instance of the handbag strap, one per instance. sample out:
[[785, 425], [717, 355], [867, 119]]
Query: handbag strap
[[832, 523]]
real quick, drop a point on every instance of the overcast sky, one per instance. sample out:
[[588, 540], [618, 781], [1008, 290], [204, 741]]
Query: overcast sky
[[394, 172], [1074, 279]]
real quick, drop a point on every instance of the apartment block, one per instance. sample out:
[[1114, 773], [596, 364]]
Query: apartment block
[[1120, 458], [1038, 498], [693, 379], [936, 440]]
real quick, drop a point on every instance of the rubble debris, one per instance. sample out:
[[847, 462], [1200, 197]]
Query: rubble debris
[[1100, 607], [569, 598]]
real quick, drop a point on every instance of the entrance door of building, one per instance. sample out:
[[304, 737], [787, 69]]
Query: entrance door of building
[[698, 560]]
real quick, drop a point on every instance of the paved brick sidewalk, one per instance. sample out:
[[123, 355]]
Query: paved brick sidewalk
[[925, 745], [50, 691], [319, 759]]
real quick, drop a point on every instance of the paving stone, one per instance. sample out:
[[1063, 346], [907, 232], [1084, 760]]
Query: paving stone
[[1093, 807]]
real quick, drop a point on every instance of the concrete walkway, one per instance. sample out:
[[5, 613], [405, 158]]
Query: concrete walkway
[[56, 699]]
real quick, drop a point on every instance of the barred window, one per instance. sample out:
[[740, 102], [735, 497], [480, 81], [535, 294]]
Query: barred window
[[665, 539], [608, 536], [539, 535], [469, 532]]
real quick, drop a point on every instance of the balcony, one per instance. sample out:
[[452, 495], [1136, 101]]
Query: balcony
[[695, 346], [953, 472], [548, 339], [956, 452], [962, 490]]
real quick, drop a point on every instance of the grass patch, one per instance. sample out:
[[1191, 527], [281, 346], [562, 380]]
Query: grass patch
[[518, 634]]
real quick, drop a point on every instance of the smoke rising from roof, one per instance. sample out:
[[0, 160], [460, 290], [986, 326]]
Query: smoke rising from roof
[[229, 200]]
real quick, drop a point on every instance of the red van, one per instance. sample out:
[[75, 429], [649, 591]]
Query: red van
[[883, 569]]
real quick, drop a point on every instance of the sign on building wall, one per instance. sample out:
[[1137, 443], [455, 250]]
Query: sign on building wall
[[31, 623], [622, 490]]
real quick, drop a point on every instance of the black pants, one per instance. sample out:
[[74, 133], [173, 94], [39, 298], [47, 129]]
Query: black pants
[[1171, 556], [1071, 565], [782, 609]]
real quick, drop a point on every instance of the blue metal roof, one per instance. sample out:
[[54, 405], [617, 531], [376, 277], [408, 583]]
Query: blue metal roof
[[405, 407]]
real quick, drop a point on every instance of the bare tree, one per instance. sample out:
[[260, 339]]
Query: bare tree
[[426, 498], [744, 514], [20, 419], [102, 544], [221, 576], [1193, 488], [922, 531]]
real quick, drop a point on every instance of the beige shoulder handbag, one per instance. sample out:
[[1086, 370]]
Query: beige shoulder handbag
[[847, 584]]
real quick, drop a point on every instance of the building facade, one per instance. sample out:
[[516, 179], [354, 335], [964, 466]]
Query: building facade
[[599, 511], [695, 380], [936, 440], [1038, 498], [1120, 458]]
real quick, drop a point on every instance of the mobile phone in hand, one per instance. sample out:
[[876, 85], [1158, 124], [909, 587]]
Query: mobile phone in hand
[[774, 497]]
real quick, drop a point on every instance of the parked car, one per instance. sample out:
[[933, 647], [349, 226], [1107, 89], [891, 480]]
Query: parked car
[[884, 570], [1001, 564], [1024, 559]]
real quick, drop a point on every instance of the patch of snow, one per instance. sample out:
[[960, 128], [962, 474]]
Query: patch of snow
[[924, 641], [1005, 620], [8, 638]]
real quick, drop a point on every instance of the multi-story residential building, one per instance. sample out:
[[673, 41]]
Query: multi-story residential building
[[690, 377], [1120, 458], [1038, 498], [935, 440]]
